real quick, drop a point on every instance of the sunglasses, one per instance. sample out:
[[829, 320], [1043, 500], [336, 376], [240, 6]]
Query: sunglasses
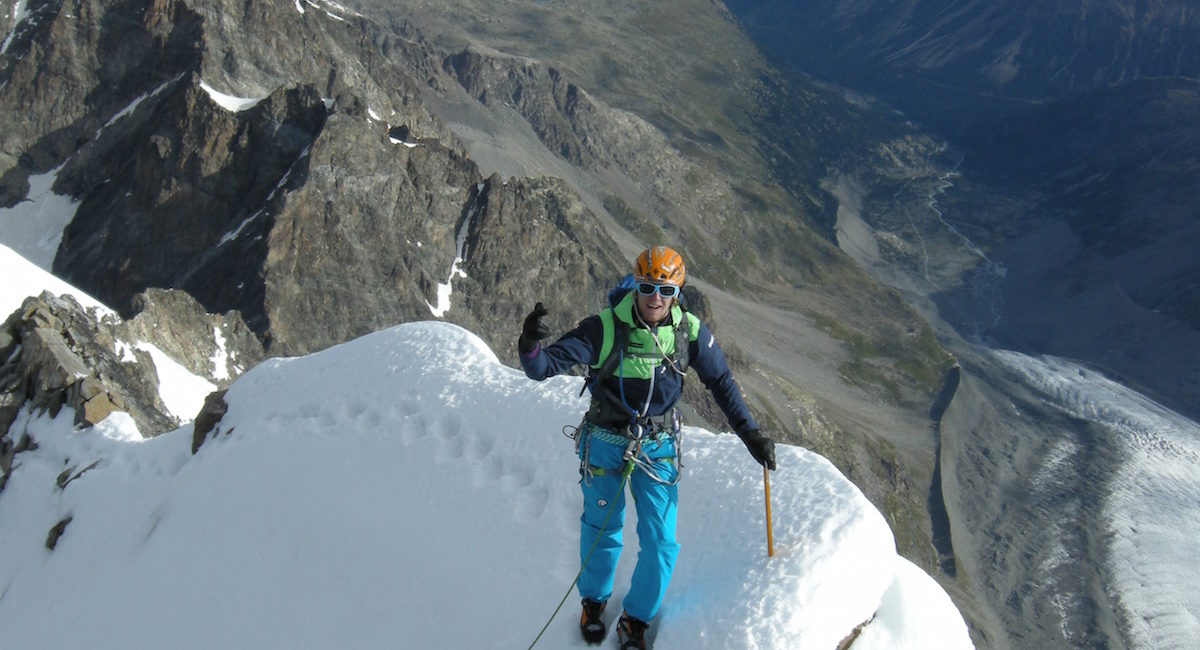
[[664, 290]]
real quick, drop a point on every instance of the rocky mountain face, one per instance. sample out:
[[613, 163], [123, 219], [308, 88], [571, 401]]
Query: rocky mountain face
[[1110, 177], [309, 172], [1074, 126], [1074, 130], [57, 354], [946, 60]]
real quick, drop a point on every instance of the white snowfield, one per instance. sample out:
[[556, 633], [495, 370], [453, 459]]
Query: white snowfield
[[406, 489], [23, 278]]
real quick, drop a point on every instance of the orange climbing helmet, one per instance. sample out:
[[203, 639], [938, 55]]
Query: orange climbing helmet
[[660, 264]]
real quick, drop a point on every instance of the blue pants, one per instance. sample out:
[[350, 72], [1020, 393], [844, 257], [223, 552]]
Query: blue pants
[[656, 506]]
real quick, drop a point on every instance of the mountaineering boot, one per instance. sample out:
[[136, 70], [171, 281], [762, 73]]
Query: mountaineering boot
[[591, 623], [631, 633]]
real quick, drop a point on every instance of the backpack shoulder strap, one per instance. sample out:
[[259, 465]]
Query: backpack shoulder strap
[[616, 337], [684, 330]]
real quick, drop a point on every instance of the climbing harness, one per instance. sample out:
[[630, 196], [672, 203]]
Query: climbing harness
[[642, 432]]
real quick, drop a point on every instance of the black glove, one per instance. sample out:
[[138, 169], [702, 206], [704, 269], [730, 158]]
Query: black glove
[[761, 447], [533, 330]]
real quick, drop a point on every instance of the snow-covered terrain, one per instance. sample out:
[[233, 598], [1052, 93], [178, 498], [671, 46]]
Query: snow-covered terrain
[[33, 227], [1150, 499], [408, 489], [23, 278]]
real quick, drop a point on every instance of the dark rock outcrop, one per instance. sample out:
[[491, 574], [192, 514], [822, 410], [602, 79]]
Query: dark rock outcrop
[[209, 418], [218, 347], [59, 355], [181, 197], [68, 68]]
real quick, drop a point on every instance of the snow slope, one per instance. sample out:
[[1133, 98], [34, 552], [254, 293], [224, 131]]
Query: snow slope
[[33, 227], [23, 278], [406, 489]]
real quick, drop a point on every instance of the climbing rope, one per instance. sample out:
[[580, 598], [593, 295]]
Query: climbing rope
[[625, 473]]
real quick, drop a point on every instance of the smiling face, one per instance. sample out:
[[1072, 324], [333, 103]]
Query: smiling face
[[656, 270], [654, 308]]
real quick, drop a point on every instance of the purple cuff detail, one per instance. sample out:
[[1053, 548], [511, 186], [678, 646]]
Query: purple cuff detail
[[537, 349]]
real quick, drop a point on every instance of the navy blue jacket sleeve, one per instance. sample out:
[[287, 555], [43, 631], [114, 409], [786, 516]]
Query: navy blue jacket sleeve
[[579, 346], [709, 363]]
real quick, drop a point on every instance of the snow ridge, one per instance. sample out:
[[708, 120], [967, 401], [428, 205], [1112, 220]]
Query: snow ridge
[[392, 487]]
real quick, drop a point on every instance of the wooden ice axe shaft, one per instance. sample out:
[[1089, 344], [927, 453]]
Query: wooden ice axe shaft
[[767, 490]]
